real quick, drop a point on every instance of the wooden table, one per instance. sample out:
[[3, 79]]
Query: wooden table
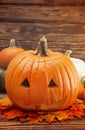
[[63, 24]]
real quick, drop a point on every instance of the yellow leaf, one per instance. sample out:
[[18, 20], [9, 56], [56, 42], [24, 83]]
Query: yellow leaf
[[61, 115], [5, 104]]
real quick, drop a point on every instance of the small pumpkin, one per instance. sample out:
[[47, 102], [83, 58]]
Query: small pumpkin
[[42, 79], [6, 55], [80, 66]]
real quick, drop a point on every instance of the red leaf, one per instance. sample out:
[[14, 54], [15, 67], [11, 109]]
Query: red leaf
[[13, 113], [8, 111], [77, 107]]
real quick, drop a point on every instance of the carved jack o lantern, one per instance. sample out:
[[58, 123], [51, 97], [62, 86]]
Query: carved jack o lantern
[[42, 79]]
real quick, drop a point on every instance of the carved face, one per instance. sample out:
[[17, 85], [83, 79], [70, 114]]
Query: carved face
[[35, 82]]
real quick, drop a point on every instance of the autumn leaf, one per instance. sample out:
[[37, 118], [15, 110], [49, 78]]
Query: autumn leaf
[[49, 118], [61, 115], [13, 113], [78, 107], [77, 110], [32, 118], [78, 114], [40, 118], [9, 111], [5, 104]]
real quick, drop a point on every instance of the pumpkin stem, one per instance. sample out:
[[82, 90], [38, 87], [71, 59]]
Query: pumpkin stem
[[83, 79], [68, 53], [42, 47], [12, 43]]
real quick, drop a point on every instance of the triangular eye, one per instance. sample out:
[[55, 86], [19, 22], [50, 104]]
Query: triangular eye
[[25, 83], [52, 83]]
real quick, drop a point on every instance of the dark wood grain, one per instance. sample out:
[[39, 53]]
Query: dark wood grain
[[46, 14], [45, 2], [16, 126], [61, 37], [63, 26]]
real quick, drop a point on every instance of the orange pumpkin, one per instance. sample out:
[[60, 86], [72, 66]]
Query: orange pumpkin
[[7, 54], [42, 79]]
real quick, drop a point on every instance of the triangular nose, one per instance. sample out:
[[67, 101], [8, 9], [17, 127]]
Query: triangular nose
[[25, 83], [52, 83]]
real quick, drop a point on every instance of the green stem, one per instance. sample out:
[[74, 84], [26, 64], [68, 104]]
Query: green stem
[[12, 43], [42, 47], [68, 53]]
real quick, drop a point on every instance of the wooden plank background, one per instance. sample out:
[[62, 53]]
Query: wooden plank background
[[45, 2], [61, 21], [63, 24]]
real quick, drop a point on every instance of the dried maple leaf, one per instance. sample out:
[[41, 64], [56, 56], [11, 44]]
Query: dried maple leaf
[[40, 118], [33, 117], [49, 117], [77, 107], [70, 114], [61, 115], [77, 110], [5, 104], [78, 114], [13, 113], [8, 111]]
